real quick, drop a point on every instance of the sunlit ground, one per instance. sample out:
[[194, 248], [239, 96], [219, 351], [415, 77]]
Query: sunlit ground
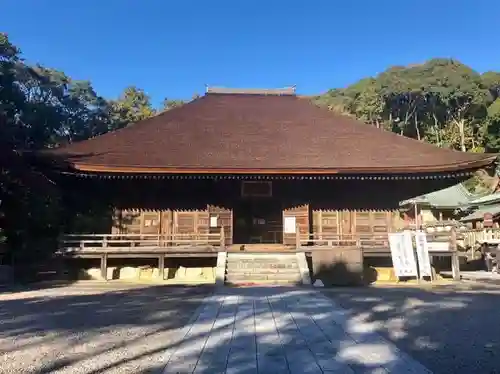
[[450, 329], [113, 328], [99, 328], [87, 328]]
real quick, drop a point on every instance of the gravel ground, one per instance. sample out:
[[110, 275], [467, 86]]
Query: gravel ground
[[450, 329], [92, 328]]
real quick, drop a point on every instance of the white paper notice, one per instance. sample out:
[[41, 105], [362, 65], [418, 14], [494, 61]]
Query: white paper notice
[[213, 221], [403, 257], [424, 261], [438, 246], [289, 225]]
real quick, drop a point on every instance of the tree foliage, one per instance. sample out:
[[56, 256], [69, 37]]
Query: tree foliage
[[171, 104], [441, 101], [41, 108], [132, 106]]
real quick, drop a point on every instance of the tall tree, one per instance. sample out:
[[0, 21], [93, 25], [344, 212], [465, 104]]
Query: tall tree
[[491, 80], [171, 104], [39, 108], [463, 94], [492, 135], [132, 106], [441, 101]]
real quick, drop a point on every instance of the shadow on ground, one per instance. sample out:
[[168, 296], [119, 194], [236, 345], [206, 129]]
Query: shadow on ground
[[92, 326], [449, 328], [98, 328]]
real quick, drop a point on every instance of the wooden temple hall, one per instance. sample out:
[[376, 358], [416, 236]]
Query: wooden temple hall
[[248, 172]]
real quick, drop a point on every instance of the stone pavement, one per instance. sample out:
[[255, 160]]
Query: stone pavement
[[281, 330]]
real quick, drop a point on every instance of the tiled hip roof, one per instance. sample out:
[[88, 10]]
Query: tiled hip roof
[[261, 133]]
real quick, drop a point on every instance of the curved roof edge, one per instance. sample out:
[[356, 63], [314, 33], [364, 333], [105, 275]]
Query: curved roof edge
[[488, 160], [451, 197]]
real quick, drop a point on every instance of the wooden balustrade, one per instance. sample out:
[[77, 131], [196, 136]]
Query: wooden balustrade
[[474, 237], [140, 242], [332, 240], [213, 242]]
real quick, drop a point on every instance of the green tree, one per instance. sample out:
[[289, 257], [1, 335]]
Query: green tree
[[491, 80], [39, 108], [132, 106], [492, 135], [441, 101], [463, 94], [171, 104]]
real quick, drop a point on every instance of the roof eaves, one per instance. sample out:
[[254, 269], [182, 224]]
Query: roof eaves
[[251, 91], [448, 198], [479, 213], [488, 199]]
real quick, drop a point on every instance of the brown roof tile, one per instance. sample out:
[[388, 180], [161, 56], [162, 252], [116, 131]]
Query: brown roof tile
[[264, 133]]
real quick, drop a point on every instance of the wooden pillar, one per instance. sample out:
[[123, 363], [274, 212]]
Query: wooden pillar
[[222, 238], [320, 224], [297, 236], [455, 262], [104, 266], [161, 266]]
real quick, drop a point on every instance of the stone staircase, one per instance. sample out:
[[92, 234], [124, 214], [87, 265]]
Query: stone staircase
[[262, 268]]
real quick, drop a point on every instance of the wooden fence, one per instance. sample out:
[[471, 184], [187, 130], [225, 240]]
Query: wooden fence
[[122, 243], [100, 243]]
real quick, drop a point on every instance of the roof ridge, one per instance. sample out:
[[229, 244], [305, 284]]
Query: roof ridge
[[251, 91]]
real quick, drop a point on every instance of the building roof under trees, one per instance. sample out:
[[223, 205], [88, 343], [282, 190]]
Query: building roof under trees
[[261, 131], [453, 197], [478, 214], [488, 199]]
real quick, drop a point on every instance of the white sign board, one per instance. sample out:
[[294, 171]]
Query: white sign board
[[213, 221], [424, 261], [438, 246], [289, 225], [403, 257]]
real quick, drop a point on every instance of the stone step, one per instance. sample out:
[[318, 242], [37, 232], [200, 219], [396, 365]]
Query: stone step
[[262, 260], [249, 271], [259, 277], [262, 274], [262, 283], [257, 261], [247, 268], [261, 255], [268, 267], [254, 256]]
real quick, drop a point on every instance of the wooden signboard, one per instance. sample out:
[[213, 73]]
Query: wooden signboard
[[488, 220]]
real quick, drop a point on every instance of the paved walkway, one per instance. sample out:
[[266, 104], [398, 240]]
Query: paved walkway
[[281, 330]]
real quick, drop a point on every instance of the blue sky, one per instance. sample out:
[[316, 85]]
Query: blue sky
[[173, 48]]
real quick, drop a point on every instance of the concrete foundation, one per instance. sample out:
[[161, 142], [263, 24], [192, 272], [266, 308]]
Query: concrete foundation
[[180, 274]]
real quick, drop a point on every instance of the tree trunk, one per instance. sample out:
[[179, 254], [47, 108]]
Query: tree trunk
[[417, 129], [461, 129], [437, 129]]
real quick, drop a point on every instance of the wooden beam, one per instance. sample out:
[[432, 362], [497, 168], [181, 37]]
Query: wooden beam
[[455, 262], [222, 237], [161, 266], [104, 266], [297, 235]]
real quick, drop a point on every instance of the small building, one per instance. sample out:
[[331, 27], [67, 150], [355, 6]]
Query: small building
[[477, 208], [243, 169], [441, 205]]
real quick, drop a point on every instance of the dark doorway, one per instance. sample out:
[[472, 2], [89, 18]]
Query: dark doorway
[[258, 221]]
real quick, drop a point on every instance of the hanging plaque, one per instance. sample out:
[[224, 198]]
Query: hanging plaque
[[289, 225], [403, 256], [424, 261]]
